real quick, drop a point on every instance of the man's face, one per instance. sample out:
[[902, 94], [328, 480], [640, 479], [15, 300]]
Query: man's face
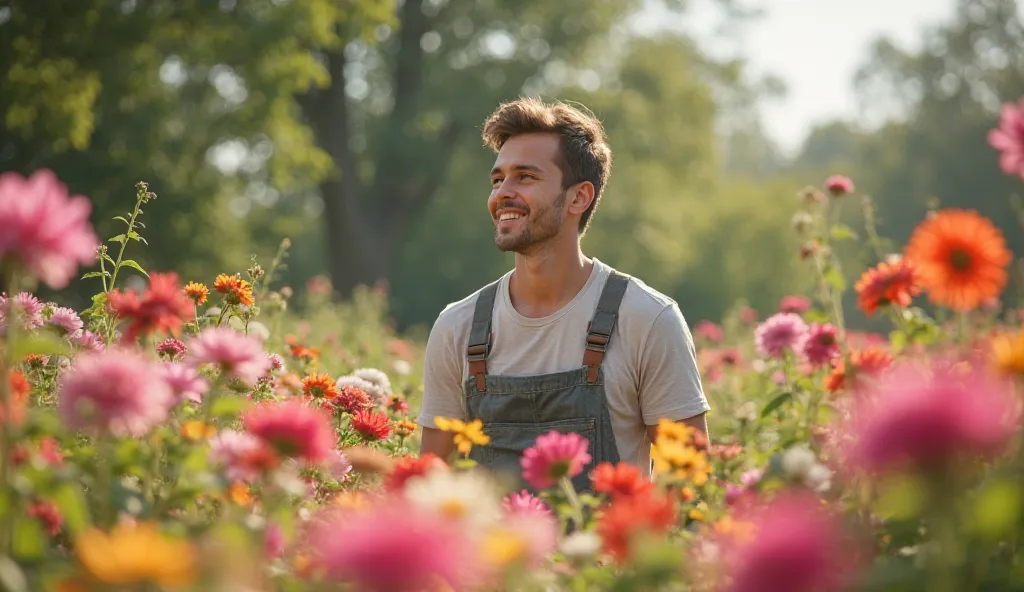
[[527, 203]]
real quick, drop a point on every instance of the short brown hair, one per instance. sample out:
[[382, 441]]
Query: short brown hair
[[585, 154]]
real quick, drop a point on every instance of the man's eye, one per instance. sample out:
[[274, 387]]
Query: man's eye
[[495, 182]]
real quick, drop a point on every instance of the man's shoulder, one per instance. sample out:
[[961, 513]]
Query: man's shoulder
[[643, 303], [459, 314]]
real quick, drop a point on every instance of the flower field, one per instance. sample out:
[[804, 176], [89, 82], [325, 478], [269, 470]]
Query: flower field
[[194, 434]]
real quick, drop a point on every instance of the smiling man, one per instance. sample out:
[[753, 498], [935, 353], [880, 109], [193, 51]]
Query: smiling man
[[562, 341]]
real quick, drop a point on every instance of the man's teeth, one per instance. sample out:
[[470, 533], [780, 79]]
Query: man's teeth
[[509, 216]]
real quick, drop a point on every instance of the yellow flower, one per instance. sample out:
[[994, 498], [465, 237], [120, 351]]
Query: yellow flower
[[696, 515], [684, 462], [135, 554], [466, 434], [1008, 353], [195, 430], [239, 493], [405, 428], [740, 530], [673, 430], [351, 500], [502, 547]]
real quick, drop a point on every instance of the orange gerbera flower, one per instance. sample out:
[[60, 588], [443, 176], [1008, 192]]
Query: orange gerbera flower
[[620, 480], [870, 361], [627, 517], [197, 292], [320, 386], [891, 282], [235, 289], [961, 257]]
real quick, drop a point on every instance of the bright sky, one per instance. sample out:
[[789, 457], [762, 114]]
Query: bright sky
[[815, 47]]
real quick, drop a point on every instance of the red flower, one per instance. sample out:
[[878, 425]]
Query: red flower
[[294, 429], [162, 308], [371, 425], [620, 480], [48, 514], [352, 399], [410, 467], [628, 517], [891, 282]]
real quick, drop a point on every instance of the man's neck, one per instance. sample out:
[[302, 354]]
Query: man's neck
[[545, 281]]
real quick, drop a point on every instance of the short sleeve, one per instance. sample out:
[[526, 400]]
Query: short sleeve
[[670, 385], [442, 377]]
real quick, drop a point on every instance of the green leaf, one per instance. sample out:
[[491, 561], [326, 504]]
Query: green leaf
[[997, 509], [29, 538], [135, 236], [134, 265], [229, 405], [902, 497], [72, 506], [897, 340], [118, 239], [776, 403], [122, 218], [835, 279], [93, 274], [843, 232], [39, 343], [12, 578]]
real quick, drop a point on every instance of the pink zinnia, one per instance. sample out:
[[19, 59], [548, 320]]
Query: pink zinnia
[[184, 381], [393, 547], [795, 547], [524, 503], [338, 466], [171, 348], [276, 363], [779, 333], [116, 390], [553, 456], [235, 354], [24, 307], [1009, 138], [89, 341], [235, 451], [294, 429], [839, 185], [795, 304], [44, 229], [67, 321], [710, 331], [821, 346], [926, 418]]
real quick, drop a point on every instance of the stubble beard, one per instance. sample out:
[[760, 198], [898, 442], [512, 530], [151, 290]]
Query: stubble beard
[[547, 224]]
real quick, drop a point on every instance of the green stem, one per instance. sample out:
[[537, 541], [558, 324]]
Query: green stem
[[223, 310], [574, 500], [273, 268], [6, 441], [124, 243]]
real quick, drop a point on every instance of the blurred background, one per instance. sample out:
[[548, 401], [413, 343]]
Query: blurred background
[[352, 127]]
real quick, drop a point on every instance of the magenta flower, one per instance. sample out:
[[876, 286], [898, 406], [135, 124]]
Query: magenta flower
[[821, 346], [523, 503], [89, 341], [235, 354], [796, 546], [393, 547], [839, 185], [24, 307], [235, 451], [116, 390], [184, 381], [710, 331], [293, 428], [338, 466], [276, 363], [67, 322], [273, 541], [779, 333], [171, 349], [45, 230], [553, 456], [1009, 138], [921, 418], [795, 304]]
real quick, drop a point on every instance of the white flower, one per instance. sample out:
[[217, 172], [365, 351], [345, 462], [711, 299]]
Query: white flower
[[376, 377], [402, 368], [797, 462], [581, 545], [378, 396], [469, 497], [818, 478]]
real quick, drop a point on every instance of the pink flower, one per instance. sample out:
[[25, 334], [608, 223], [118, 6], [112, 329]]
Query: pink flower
[[839, 185], [276, 363], [293, 428], [794, 304], [235, 451], [796, 547], [393, 547], [116, 390], [1009, 138], [89, 341], [748, 315], [751, 477], [184, 381], [821, 345], [710, 331], [538, 533], [338, 466], [67, 322], [273, 541], [925, 418], [24, 307], [237, 355], [553, 456], [45, 230], [171, 348], [779, 333], [523, 503]]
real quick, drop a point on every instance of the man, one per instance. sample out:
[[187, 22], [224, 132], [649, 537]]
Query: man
[[562, 342]]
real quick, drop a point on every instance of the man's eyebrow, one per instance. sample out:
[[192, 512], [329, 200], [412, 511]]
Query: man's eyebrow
[[519, 167]]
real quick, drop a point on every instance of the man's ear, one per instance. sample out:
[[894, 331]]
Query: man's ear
[[581, 196]]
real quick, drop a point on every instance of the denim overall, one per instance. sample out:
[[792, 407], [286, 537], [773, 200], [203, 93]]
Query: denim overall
[[515, 410]]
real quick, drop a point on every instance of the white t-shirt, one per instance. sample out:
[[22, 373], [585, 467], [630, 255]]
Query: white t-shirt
[[650, 367]]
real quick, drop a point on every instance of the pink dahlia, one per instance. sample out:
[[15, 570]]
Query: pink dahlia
[[171, 348], [524, 503], [235, 354], [553, 456], [45, 230], [89, 341], [338, 466], [839, 185], [66, 321], [927, 418], [795, 546], [821, 346], [24, 307], [394, 547], [116, 390], [239, 454], [779, 333], [293, 428], [184, 381], [795, 304], [276, 363], [1009, 138]]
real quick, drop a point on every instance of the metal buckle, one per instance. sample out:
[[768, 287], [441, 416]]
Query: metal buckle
[[597, 342]]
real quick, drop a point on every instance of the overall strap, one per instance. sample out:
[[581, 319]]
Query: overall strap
[[599, 331], [480, 335]]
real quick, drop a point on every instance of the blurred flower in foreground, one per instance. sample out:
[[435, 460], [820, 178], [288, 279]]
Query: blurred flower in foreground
[[44, 229], [626, 518], [466, 434], [553, 456], [1009, 139], [132, 555], [24, 308], [961, 258], [524, 503], [865, 363], [620, 480], [293, 429], [1008, 352], [468, 498]]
